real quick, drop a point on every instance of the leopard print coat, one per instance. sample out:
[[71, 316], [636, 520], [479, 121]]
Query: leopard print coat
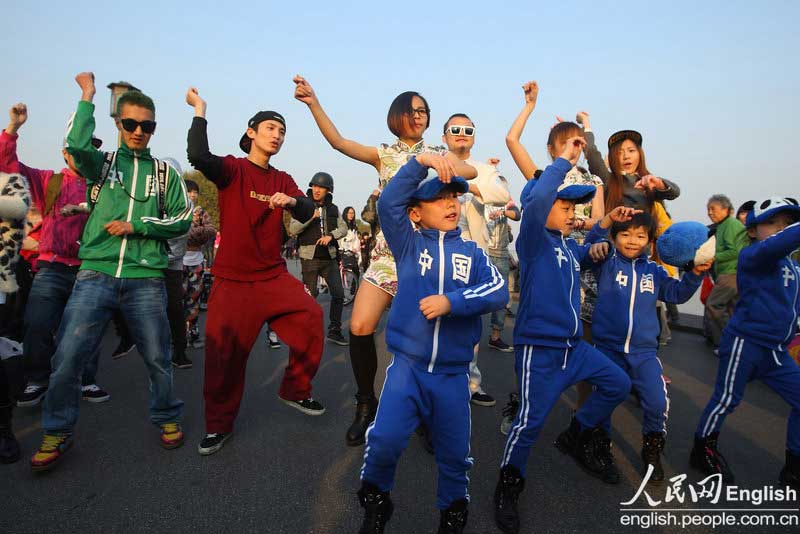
[[15, 200]]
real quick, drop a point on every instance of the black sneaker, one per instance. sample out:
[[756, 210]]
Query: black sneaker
[[124, 347], [610, 472], [591, 451], [378, 509], [652, 445], [308, 406], [708, 460], [568, 439], [499, 344], [509, 413], [506, 495], [337, 337], [212, 443], [425, 437], [790, 474], [454, 518], [480, 398], [94, 393], [182, 362], [32, 396], [9, 446]]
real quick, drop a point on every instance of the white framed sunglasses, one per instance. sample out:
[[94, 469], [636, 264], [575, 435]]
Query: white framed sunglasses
[[456, 129]]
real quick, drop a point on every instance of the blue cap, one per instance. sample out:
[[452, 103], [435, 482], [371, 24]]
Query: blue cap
[[430, 187], [763, 210], [579, 194], [678, 245]]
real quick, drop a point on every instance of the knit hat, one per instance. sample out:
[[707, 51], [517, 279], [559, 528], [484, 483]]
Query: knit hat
[[763, 210]]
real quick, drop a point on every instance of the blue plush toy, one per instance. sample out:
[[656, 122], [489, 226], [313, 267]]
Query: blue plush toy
[[686, 242]]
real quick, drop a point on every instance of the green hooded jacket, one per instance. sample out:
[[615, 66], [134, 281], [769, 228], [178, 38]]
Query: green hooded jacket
[[130, 194]]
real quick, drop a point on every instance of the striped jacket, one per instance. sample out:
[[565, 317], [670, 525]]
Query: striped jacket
[[130, 194], [432, 262]]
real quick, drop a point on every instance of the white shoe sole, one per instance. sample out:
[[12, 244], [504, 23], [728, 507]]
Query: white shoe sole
[[96, 400], [207, 451], [300, 408], [31, 403]]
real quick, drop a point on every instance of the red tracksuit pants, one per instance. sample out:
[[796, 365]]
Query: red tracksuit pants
[[236, 313]]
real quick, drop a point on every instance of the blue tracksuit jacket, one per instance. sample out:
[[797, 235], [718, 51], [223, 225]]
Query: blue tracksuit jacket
[[625, 317], [550, 264], [431, 262], [768, 280]]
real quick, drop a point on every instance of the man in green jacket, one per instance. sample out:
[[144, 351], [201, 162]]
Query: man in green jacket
[[134, 210], [731, 239]]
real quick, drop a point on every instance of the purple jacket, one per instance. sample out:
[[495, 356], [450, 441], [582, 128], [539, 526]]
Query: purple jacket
[[60, 235]]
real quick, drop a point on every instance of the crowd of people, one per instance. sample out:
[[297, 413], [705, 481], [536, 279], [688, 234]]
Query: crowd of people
[[120, 237]]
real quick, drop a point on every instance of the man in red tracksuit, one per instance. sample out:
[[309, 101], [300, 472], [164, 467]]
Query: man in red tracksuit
[[251, 283]]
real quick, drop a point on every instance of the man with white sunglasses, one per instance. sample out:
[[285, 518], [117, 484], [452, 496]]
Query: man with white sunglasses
[[486, 191]]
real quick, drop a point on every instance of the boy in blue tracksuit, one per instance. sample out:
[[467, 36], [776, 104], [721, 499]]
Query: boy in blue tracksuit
[[625, 326], [754, 342], [550, 355], [445, 284]]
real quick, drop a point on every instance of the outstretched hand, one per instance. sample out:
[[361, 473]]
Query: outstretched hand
[[303, 91], [573, 149], [443, 166], [599, 251], [650, 183], [622, 214], [17, 116], [435, 306]]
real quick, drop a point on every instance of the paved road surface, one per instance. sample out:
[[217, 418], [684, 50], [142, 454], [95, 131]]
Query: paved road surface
[[284, 472]]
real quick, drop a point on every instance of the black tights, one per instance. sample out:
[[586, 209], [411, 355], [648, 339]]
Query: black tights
[[364, 358]]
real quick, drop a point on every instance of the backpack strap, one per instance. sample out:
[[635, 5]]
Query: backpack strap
[[52, 192], [162, 171], [108, 161]]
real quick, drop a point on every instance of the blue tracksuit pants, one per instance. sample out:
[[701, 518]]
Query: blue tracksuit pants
[[543, 373], [647, 378], [741, 361], [410, 396]]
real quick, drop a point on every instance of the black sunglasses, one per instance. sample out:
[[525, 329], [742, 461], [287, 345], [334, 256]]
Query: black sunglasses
[[130, 125]]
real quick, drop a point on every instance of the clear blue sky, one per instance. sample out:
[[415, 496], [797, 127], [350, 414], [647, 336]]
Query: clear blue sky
[[712, 86]]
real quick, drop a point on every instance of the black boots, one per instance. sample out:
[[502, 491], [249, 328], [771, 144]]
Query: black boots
[[9, 447], [707, 459], [454, 519], [378, 509], [506, 495], [652, 445], [591, 448], [366, 407], [790, 474]]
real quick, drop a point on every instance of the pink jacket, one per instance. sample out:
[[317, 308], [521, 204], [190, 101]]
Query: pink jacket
[[60, 235]]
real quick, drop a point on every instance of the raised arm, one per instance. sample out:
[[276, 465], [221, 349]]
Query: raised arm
[[765, 254], [305, 94], [88, 160], [9, 161], [197, 149], [597, 165], [518, 152]]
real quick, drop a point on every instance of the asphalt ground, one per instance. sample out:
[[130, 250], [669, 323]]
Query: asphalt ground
[[285, 472]]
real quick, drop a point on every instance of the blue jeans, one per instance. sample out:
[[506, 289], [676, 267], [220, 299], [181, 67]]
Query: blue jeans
[[95, 297], [499, 316], [48, 298]]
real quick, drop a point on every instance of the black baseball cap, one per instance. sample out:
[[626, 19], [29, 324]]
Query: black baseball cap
[[622, 135], [261, 116]]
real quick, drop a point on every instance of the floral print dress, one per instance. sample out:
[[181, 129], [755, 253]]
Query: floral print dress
[[382, 271]]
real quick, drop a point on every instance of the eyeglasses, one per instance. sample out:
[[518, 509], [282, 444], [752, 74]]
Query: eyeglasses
[[422, 112], [130, 125], [468, 131]]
